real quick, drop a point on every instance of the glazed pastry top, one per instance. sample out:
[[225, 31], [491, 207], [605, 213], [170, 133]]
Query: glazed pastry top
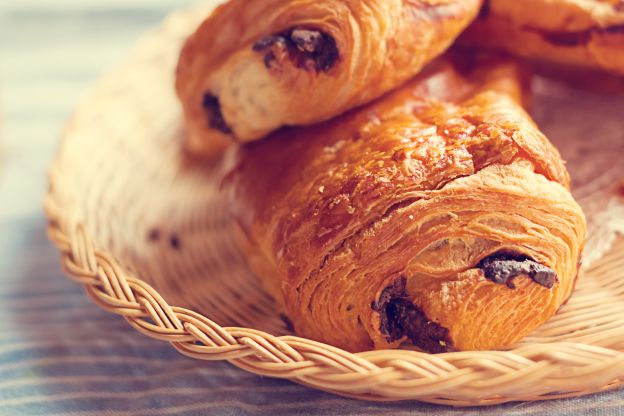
[[441, 126], [256, 65], [561, 15], [438, 214]]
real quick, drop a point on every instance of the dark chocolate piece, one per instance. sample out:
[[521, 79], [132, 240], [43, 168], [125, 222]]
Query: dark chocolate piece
[[578, 38], [400, 317], [287, 322], [174, 242], [215, 117], [309, 41], [502, 268], [267, 42], [308, 49]]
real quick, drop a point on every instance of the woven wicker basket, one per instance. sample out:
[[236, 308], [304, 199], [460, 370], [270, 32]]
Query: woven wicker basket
[[142, 227]]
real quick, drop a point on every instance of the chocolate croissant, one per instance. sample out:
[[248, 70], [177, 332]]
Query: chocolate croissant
[[437, 216], [256, 65], [582, 33]]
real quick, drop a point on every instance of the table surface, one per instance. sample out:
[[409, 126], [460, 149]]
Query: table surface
[[60, 354]]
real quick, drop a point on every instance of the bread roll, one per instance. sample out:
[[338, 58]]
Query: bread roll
[[256, 65], [586, 34], [437, 216]]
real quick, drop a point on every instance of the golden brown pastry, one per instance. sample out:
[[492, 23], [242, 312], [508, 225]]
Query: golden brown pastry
[[256, 65], [582, 33], [438, 215]]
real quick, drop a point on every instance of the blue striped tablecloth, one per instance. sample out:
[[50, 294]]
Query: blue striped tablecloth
[[60, 354]]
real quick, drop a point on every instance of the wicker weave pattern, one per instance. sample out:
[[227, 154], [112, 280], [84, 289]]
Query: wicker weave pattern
[[532, 372], [110, 227]]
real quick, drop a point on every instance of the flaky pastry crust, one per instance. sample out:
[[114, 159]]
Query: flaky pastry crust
[[582, 33], [438, 215], [256, 65]]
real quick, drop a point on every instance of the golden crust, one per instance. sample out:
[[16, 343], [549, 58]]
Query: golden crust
[[583, 33], [244, 60], [422, 184]]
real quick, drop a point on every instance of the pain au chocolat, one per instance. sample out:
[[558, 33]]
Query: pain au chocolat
[[437, 216], [256, 65], [586, 34]]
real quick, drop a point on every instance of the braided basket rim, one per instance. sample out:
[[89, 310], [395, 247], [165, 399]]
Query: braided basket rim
[[538, 371], [465, 378]]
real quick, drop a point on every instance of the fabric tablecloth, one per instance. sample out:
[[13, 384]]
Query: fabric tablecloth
[[59, 353]]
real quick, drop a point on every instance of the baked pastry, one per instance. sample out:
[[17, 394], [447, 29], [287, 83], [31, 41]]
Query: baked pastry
[[583, 33], [438, 215], [256, 65]]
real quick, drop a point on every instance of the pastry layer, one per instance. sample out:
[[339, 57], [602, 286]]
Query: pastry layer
[[582, 33], [438, 215], [256, 65]]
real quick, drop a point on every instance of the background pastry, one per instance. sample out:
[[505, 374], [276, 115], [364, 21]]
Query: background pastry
[[255, 65], [438, 215], [583, 33]]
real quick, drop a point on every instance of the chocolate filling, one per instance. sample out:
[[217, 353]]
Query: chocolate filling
[[215, 117], [400, 317], [502, 268], [308, 49], [578, 38], [287, 322]]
